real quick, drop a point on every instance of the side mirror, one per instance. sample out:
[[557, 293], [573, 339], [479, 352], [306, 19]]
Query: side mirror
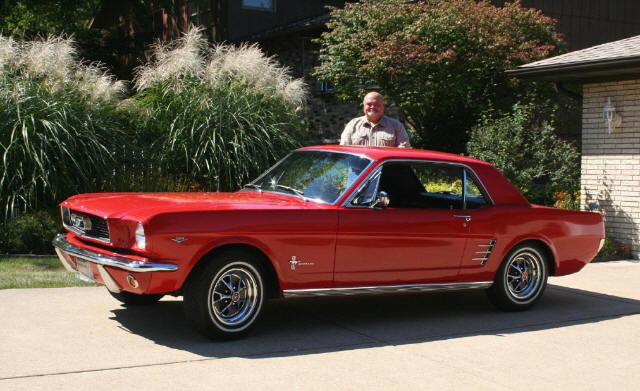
[[382, 200]]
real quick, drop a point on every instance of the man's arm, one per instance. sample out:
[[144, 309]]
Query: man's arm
[[345, 138], [402, 137]]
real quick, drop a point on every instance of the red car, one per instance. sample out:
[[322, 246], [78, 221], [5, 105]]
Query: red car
[[327, 220]]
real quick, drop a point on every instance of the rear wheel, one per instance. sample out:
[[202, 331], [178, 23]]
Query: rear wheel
[[225, 299], [521, 279], [132, 299]]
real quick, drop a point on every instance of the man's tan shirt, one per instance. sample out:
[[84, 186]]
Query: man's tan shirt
[[388, 132]]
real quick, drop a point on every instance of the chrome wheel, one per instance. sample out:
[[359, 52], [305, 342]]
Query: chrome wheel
[[522, 274], [521, 279], [234, 295], [225, 296]]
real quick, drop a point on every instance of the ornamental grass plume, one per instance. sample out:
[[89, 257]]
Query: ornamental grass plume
[[173, 61], [218, 115], [53, 57], [191, 57], [98, 84], [59, 123], [8, 51]]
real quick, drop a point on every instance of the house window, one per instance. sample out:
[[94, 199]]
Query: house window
[[262, 5]]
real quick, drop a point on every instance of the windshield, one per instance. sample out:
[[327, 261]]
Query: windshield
[[316, 175]]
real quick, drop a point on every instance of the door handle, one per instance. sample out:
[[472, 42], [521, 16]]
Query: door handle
[[466, 218]]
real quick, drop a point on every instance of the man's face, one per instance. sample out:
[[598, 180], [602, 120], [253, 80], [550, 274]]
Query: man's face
[[373, 107]]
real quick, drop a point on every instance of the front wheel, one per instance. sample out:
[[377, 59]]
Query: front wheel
[[521, 279], [225, 299]]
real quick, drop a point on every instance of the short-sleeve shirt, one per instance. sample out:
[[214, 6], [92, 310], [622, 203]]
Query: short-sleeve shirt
[[388, 132]]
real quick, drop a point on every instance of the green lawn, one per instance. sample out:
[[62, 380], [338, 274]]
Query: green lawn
[[36, 273]]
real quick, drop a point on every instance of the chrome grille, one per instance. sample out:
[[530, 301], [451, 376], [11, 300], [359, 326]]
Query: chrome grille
[[484, 251], [85, 224]]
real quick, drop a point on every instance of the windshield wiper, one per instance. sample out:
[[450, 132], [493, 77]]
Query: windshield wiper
[[253, 185], [297, 192]]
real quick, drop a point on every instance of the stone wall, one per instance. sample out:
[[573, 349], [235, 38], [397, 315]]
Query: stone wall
[[327, 118], [611, 161]]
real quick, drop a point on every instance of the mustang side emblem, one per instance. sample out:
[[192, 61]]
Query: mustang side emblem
[[294, 262], [80, 222]]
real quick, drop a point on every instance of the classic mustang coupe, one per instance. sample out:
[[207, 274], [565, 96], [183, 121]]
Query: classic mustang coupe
[[327, 220]]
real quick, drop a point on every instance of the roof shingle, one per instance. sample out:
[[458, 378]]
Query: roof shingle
[[616, 60], [628, 47]]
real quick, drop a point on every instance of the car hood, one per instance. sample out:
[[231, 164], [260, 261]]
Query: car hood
[[145, 205]]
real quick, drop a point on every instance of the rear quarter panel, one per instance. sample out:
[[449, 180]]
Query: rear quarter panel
[[571, 237]]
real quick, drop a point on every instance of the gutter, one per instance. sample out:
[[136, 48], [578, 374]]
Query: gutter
[[630, 63]]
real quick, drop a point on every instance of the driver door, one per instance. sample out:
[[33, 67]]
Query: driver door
[[419, 237]]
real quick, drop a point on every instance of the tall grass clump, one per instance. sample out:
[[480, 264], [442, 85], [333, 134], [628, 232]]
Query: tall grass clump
[[58, 123], [217, 116]]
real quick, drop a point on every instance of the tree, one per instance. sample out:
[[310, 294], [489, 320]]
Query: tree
[[32, 18], [441, 62]]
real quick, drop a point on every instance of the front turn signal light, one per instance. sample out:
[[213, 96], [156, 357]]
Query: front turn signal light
[[141, 240]]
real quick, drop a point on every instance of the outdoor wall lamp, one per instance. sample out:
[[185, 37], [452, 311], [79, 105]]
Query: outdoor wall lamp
[[612, 119]]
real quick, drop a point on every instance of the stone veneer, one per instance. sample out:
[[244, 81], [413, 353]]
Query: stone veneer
[[611, 161]]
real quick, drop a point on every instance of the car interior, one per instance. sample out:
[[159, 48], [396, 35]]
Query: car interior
[[428, 187]]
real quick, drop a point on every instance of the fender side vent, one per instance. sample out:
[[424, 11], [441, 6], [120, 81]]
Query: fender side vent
[[484, 251]]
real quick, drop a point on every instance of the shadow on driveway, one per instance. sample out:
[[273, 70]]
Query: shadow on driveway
[[317, 325]]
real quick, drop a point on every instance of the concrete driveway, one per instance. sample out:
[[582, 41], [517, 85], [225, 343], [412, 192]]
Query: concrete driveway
[[584, 334]]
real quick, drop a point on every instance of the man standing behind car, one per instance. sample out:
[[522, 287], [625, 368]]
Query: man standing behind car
[[374, 128]]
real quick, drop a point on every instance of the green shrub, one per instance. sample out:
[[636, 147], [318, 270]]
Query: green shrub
[[611, 248], [523, 145], [30, 233], [216, 116], [59, 124]]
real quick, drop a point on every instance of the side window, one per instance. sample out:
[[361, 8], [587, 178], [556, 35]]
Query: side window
[[442, 185], [473, 196], [423, 186]]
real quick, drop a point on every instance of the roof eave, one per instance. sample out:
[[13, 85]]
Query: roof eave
[[620, 68]]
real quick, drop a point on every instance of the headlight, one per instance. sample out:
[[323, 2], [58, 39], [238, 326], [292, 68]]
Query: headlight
[[141, 241]]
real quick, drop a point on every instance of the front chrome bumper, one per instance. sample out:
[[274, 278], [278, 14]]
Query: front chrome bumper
[[120, 261], [64, 249]]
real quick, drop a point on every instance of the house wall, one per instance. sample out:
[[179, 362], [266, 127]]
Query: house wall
[[611, 161], [587, 23], [244, 22]]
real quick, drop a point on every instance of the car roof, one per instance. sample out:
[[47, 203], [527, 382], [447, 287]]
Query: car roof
[[384, 153], [501, 190]]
